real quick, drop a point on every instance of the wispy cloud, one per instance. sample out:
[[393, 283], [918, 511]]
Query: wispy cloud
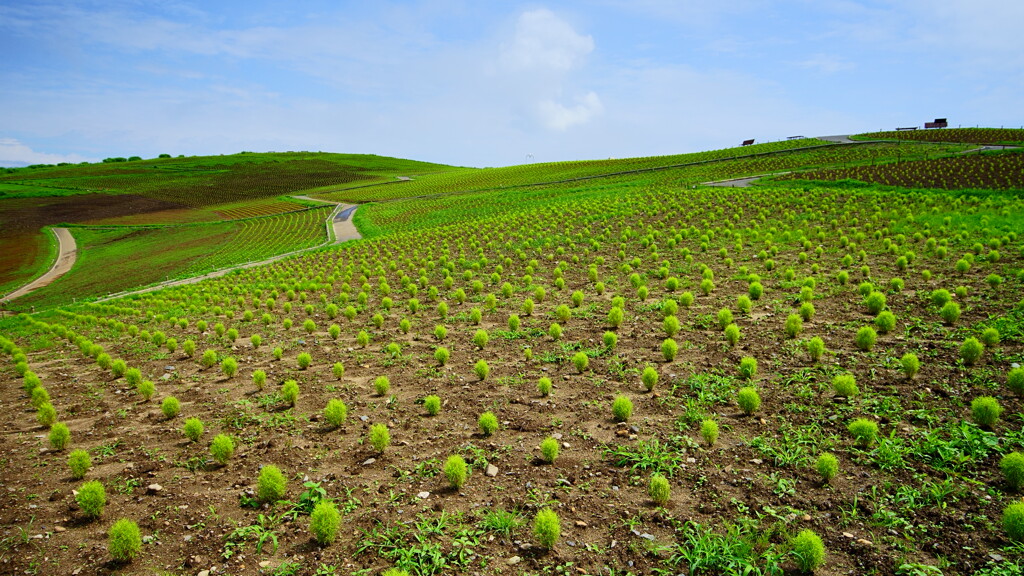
[[14, 153]]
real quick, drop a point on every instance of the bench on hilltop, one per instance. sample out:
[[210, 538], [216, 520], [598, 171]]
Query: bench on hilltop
[[906, 128], [938, 123], [748, 142]]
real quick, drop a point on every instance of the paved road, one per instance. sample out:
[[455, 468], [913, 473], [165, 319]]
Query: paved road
[[840, 138], [66, 257]]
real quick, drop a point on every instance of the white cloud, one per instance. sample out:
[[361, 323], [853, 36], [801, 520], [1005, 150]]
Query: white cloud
[[557, 116], [543, 41], [14, 153]]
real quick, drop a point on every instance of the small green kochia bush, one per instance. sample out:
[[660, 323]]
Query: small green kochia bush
[[363, 339], [59, 436], [79, 462], [39, 397], [432, 404], [133, 376], [547, 528], [808, 550], [91, 498], [748, 368], [671, 325], [441, 354], [324, 521], [580, 360], [304, 359], [382, 385], [659, 490], [222, 448], [748, 399], [985, 411], [1012, 466], [622, 408], [146, 389], [724, 319], [669, 349], [827, 466], [910, 365], [46, 415], [229, 367], [807, 311], [513, 322], [990, 337], [544, 386], [256, 340], [456, 471], [380, 437], [845, 385], [864, 431], [794, 325], [950, 313], [335, 412], [549, 450], [118, 368], [971, 351], [875, 302], [259, 379], [866, 338], [338, 369], [277, 353], [1015, 380], [815, 348], [189, 348], [209, 358], [271, 484], [170, 407], [488, 423], [481, 369], [124, 540], [649, 377], [1013, 521], [709, 431], [732, 334], [193, 429], [290, 392], [555, 331], [885, 321], [480, 338]]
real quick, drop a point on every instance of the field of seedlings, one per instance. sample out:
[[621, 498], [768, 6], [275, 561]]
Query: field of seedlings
[[987, 170], [991, 136], [629, 375], [118, 258]]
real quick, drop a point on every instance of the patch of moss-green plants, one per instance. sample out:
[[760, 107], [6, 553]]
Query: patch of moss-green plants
[[549, 450], [271, 484], [864, 431], [827, 466], [488, 423], [622, 408], [222, 448], [456, 471], [380, 437], [124, 540], [59, 436], [1012, 466], [193, 429], [544, 386], [324, 522], [432, 404], [659, 489], [547, 527], [91, 498], [808, 550], [748, 399], [985, 411], [79, 463], [170, 407], [290, 392]]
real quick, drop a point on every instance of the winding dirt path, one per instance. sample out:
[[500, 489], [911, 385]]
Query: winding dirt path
[[66, 256], [340, 228]]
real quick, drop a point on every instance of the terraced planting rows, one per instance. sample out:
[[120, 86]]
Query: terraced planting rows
[[121, 258], [640, 379], [464, 180], [382, 217], [999, 171], [966, 135]]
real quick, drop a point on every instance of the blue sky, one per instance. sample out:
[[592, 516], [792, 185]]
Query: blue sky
[[488, 83]]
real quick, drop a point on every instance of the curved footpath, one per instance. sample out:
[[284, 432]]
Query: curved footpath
[[66, 256], [340, 228]]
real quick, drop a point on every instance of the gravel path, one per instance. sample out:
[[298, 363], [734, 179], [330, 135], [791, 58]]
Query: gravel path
[[66, 257]]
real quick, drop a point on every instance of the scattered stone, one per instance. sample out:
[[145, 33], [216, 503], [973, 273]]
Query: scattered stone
[[203, 573], [691, 460], [757, 461], [154, 489], [364, 418], [557, 435], [996, 557], [864, 542], [581, 524], [634, 429], [369, 461], [491, 471], [513, 560], [622, 432], [423, 495], [806, 518], [265, 563], [847, 535], [59, 529]]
